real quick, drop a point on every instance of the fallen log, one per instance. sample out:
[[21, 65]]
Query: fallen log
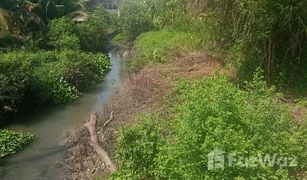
[[91, 126]]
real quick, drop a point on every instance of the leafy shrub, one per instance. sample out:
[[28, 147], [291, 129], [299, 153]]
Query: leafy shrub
[[137, 149], [14, 77], [84, 69], [37, 77], [135, 17], [214, 113], [90, 35], [67, 42], [31, 79], [41, 57], [121, 37], [49, 85], [11, 142], [62, 34], [61, 26]]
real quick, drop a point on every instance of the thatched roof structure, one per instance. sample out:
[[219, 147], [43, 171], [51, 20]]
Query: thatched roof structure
[[80, 18]]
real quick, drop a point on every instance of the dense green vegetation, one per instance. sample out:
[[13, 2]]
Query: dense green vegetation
[[54, 63], [11, 142], [47, 77], [247, 34], [48, 56], [210, 114], [51, 51], [248, 119]]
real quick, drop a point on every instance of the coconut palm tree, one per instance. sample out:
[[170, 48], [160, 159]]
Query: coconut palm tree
[[4, 26], [19, 15], [27, 15]]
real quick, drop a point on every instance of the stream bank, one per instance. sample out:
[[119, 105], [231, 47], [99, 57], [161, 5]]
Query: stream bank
[[43, 158], [142, 91]]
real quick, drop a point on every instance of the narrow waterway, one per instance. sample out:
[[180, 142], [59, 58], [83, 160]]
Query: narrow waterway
[[42, 159]]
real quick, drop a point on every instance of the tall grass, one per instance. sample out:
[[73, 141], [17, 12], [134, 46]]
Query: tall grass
[[155, 46]]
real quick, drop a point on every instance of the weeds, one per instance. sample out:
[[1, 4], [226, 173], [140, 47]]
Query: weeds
[[154, 47], [214, 113]]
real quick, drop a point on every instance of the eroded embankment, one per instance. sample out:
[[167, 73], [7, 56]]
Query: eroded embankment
[[141, 92]]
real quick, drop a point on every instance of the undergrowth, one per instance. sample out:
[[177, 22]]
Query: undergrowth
[[28, 80], [11, 142], [155, 46], [214, 114]]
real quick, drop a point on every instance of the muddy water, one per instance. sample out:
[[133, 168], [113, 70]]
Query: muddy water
[[42, 159]]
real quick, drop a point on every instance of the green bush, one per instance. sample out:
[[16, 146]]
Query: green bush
[[37, 77], [67, 42], [121, 37], [63, 34], [11, 142], [15, 72], [214, 114], [90, 35], [135, 17], [84, 69], [31, 79], [61, 26], [49, 86], [137, 149]]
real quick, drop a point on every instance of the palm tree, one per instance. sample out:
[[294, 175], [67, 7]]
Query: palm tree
[[24, 15], [4, 26], [19, 15]]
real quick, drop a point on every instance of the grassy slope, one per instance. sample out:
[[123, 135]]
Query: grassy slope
[[158, 47], [148, 104]]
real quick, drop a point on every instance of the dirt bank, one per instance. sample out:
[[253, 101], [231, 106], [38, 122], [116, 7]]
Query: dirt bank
[[142, 91]]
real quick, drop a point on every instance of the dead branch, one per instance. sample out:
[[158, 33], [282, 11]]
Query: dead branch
[[108, 121], [91, 126]]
